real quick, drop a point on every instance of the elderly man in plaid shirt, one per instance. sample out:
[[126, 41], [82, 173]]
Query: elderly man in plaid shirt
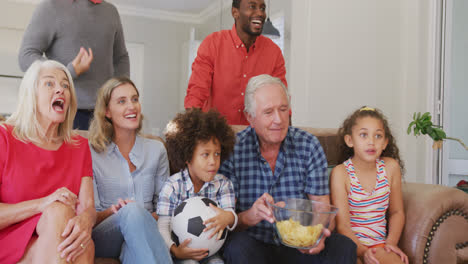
[[272, 162]]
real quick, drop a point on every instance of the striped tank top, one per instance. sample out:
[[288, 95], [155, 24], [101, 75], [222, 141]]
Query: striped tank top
[[367, 210]]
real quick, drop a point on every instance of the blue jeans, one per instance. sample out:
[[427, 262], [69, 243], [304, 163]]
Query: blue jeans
[[82, 119], [242, 248], [131, 234], [214, 259]]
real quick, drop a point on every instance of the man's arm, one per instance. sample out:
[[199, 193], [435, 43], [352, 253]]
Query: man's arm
[[38, 36], [199, 86], [280, 68], [120, 60]]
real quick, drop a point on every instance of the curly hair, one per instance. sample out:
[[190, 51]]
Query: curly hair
[[194, 126], [346, 152]]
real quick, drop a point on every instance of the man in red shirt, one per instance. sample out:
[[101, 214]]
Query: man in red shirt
[[227, 59]]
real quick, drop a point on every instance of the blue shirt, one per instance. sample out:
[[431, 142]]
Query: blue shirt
[[179, 187], [113, 179], [300, 169]]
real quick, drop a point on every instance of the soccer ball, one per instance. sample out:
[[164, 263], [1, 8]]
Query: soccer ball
[[187, 222]]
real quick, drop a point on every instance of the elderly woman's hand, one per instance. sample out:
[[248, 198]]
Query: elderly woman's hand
[[62, 195], [77, 236]]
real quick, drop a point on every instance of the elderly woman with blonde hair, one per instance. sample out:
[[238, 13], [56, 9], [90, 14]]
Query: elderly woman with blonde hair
[[46, 194], [129, 172]]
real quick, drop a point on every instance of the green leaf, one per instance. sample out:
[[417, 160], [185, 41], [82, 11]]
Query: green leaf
[[440, 133], [408, 131]]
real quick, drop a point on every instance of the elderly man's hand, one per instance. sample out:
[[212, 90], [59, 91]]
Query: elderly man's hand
[[260, 210], [320, 246]]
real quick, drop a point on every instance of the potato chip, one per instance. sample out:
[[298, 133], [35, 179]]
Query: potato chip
[[295, 234]]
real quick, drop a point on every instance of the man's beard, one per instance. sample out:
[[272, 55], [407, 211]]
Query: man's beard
[[247, 30]]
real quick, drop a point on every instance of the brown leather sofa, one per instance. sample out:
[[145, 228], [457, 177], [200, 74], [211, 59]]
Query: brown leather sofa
[[436, 228]]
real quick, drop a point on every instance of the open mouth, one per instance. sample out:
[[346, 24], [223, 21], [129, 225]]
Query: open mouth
[[58, 104], [257, 23]]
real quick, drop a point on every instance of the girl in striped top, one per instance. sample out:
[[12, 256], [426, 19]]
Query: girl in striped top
[[367, 187]]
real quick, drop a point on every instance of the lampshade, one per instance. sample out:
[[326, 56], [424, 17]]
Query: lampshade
[[269, 30]]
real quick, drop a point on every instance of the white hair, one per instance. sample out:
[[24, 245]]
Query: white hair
[[255, 83], [24, 120]]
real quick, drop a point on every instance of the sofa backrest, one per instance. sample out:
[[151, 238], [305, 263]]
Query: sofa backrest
[[327, 136]]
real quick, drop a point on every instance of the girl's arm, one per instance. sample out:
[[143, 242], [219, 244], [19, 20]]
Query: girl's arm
[[396, 213], [339, 185]]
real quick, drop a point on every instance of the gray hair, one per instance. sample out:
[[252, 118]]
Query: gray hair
[[255, 83], [24, 119]]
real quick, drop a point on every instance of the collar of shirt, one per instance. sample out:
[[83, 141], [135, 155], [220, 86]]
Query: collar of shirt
[[189, 185], [238, 42], [96, 1], [135, 154], [286, 146]]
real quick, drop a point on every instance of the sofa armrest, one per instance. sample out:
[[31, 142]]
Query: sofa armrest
[[436, 228]]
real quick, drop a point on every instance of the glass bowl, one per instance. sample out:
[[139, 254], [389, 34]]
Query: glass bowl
[[300, 223]]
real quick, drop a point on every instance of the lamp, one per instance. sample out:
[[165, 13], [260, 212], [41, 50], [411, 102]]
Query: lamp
[[268, 29]]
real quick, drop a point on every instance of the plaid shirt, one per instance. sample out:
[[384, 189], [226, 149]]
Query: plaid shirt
[[300, 169], [179, 187]]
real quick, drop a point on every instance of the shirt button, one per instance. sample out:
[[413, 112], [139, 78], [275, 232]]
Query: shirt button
[[245, 75], [246, 57], [242, 45], [242, 93], [238, 110]]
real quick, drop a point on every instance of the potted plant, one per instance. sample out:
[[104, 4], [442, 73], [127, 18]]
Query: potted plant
[[422, 124]]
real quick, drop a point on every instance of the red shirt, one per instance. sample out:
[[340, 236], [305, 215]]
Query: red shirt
[[222, 69], [29, 172]]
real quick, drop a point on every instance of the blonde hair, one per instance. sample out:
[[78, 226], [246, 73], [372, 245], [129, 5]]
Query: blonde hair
[[101, 129], [24, 120]]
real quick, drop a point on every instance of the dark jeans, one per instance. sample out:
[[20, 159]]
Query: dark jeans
[[82, 119], [242, 248]]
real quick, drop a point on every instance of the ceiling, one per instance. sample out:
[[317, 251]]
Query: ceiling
[[189, 11], [192, 7]]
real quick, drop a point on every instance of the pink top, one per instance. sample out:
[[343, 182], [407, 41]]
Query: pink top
[[367, 210], [29, 172]]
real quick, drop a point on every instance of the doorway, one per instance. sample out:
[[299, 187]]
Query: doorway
[[454, 161]]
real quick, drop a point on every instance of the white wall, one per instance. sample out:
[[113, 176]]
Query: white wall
[[162, 41], [162, 66], [348, 54]]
